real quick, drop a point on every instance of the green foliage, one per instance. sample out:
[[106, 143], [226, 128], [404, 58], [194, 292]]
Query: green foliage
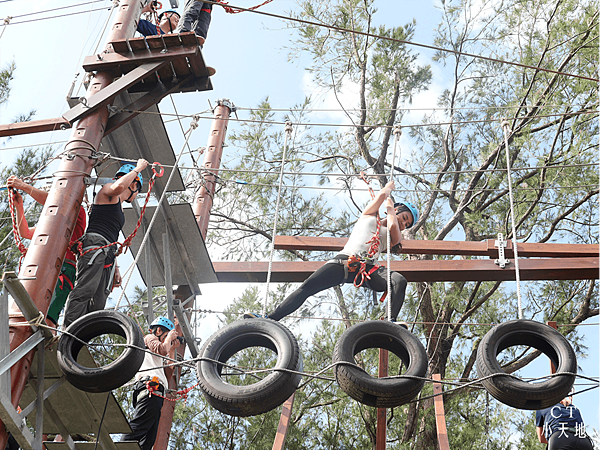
[[6, 76]]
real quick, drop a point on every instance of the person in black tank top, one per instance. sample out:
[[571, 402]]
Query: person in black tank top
[[97, 272]]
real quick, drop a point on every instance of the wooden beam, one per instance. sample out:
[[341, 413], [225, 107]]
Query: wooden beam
[[284, 423], [553, 324], [420, 247], [440, 415], [431, 270], [34, 126]]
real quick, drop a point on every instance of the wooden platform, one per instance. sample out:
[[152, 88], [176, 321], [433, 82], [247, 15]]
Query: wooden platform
[[181, 52]]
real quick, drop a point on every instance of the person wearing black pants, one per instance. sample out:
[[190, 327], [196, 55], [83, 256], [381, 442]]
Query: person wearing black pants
[[151, 383], [561, 427], [400, 216]]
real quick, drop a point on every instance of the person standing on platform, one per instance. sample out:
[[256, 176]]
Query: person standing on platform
[[66, 279], [152, 379], [561, 427], [196, 18], [97, 272]]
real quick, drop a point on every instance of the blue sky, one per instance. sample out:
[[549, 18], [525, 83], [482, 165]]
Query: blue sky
[[248, 51]]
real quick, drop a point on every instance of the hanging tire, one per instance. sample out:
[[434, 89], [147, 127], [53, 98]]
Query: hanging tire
[[105, 377], [384, 392], [518, 393], [259, 397]]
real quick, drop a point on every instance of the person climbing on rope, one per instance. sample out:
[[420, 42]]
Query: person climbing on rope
[[97, 272], [150, 380], [66, 279], [561, 427], [196, 15], [356, 262]]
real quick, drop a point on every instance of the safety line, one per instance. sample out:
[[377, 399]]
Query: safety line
[[62, 15], [416, 44], [288, 134], [57, 9], [193, 126], [506, 128]]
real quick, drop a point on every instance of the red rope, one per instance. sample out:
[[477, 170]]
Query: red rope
[[181, 394], [127, 242], [16, 233], [233, 10], [374, 243]]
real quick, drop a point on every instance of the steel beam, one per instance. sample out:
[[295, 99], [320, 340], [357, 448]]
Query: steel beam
[[112, 61], [421, 247], [4, 343], [16, 424], [106, 95], [429, 270], [182, 318]]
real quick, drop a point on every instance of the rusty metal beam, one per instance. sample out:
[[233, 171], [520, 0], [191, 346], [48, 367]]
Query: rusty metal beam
[[106, 95], [436, 270], [440, 415], [420, 247], [34, 126], [113, 61], [141, 104]]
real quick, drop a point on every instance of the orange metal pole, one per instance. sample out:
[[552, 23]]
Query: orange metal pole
[[380, 440], [53, 232], [440, 415]]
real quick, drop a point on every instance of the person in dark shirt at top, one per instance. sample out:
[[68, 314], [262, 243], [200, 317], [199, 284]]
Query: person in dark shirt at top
[[96, 269], [561, 427]]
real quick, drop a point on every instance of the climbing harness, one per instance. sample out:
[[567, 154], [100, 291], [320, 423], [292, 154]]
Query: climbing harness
[[288, 133], [361, 261], [77, 246], [181, 394]]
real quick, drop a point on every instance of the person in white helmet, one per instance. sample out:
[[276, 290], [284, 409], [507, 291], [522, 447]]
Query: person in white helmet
[[151, 382]]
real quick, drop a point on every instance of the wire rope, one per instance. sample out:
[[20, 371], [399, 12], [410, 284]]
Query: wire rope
[[506, 128], [288, 133], [61, 15], [193, 126], [402, 41], [397, 134]]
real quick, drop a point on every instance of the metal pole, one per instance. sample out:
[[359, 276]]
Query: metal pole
[[44, 258], [212, 160], [380, 442], [168, 280], [4, 342]]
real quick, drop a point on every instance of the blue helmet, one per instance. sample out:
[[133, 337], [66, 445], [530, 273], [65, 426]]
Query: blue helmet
[[412, 208], [125, 169], [162, 322]]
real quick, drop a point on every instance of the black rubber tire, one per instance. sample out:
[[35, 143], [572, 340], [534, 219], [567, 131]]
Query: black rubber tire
[[385, 392], [518, 393], [260, 397], [108, 377]]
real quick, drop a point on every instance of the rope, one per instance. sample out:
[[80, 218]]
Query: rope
[[193, 126], [15, 229], [374, 242], [506, 129], [288, 133], [127, 242], [234, 10], [397, 134]]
